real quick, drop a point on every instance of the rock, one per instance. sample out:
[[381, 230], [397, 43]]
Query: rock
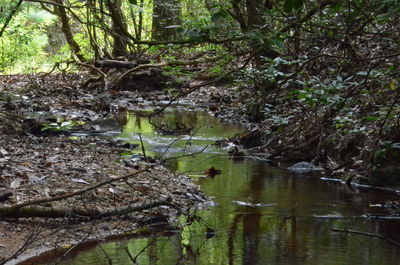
[[304, 167]]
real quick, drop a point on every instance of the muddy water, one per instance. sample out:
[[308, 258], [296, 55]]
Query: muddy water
[[262, 214]]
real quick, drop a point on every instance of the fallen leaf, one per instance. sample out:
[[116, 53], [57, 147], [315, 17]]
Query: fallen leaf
[[111, 190], [80, 181], [212, 172], [15, 184], [3, 151]]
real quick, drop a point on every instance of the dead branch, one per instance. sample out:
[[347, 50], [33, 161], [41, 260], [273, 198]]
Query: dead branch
[[104, 75], [115, 64], [159, 65], [72, 194], [76, 212]]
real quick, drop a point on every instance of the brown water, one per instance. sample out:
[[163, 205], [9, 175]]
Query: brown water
[[263, 214]]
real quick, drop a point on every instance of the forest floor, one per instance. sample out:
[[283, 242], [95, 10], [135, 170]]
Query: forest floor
[[38, 164]]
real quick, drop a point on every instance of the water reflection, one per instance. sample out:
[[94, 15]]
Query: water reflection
[[263, 215]]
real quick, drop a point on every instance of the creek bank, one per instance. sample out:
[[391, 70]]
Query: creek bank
[[288, 132], [46, 162], [337, 157]]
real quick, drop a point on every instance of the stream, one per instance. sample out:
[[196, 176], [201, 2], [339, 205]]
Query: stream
[[261, 214]]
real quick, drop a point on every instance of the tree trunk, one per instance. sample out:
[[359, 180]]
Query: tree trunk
[[66, 29], [119, 28], [166, 14]]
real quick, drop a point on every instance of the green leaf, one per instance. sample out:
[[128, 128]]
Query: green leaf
[[339, 125], [215, 17], [45, 127], [278, 43], [66, 123], [133, 2], [370, 118], [126, 153], [380, 153]]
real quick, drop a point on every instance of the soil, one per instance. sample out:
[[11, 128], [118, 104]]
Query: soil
[[43, 164]]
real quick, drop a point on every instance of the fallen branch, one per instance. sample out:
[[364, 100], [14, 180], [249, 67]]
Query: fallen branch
[[103, 75], [366, 234], [72, 194], [159, 65], [77, 212], [114, 64]]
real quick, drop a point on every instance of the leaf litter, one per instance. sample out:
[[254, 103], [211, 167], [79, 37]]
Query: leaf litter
[[35, 165]]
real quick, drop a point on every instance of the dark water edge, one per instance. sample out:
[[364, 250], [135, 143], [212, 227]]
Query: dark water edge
[[262, 214]]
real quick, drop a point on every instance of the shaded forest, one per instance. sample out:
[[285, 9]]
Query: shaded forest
[[313, 81], [319, 78]]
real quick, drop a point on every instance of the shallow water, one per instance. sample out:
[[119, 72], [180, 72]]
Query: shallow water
[[262, 214]]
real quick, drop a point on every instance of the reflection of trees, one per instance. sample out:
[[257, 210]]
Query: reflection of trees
[[250, 221], [389, 229], [251, 230], [138, 122], [156, 249], [231, 236], [165, 250]]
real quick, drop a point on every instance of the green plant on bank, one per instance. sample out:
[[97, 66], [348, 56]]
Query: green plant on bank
[[316, 92], [346, 120], [387, 148], [269, 72], [61, 126], [23, 43], [176, 72], [275, 121], [179, 76]]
